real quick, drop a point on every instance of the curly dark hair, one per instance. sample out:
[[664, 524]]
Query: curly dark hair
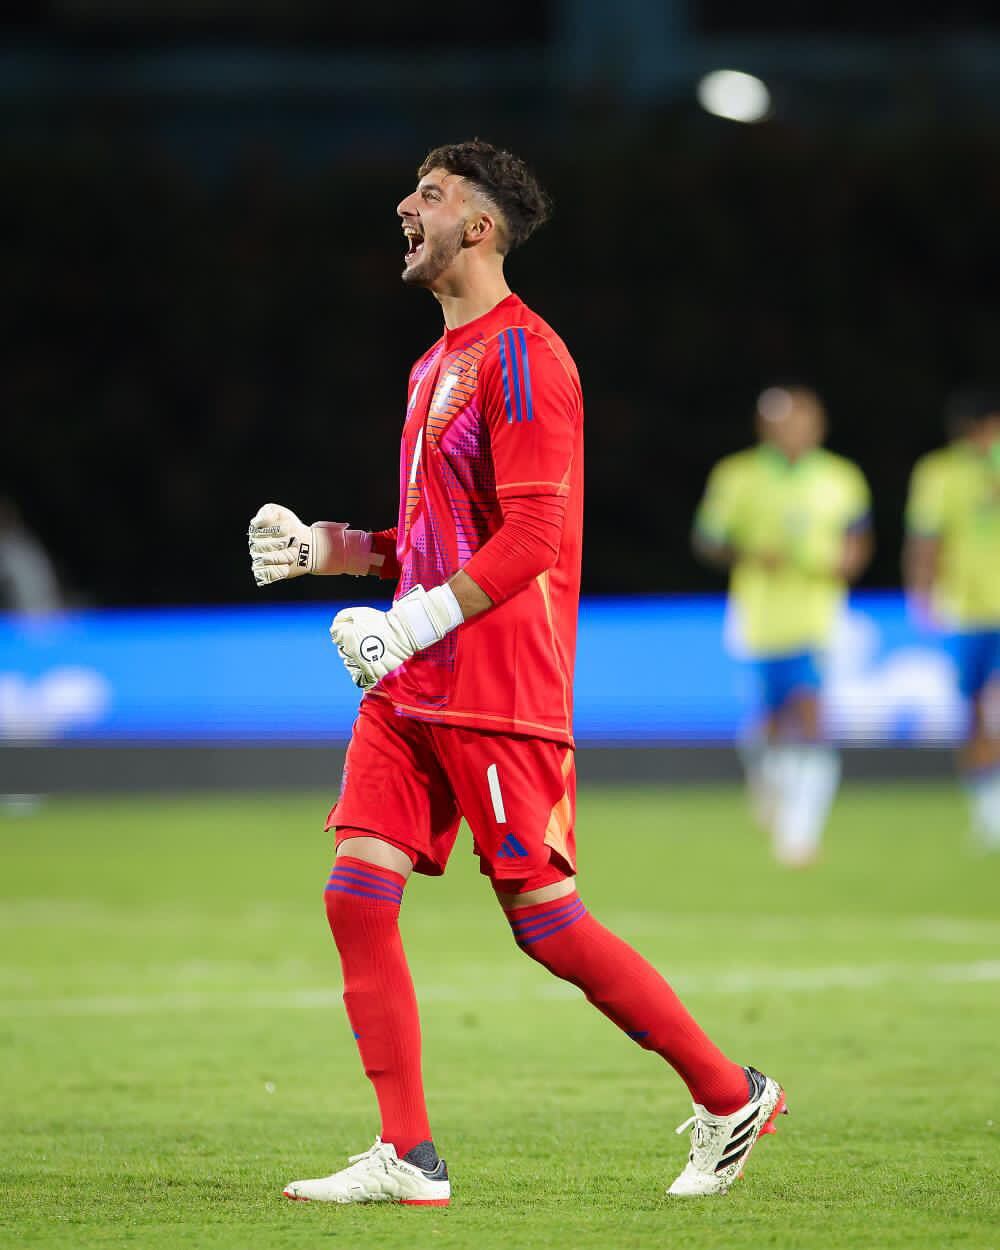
[[503, 179]]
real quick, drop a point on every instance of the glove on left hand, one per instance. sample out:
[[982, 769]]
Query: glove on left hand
[[373, 643]]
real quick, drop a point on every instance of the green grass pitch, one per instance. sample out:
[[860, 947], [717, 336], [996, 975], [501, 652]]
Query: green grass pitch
[[173, 1050]]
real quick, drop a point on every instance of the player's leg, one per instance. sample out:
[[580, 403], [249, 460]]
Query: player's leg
[[756, 757], [386, 820], [804, 767], [978, 662], [733, 1105], [761, 752], [518, 795], [554, 927], [363, 898]]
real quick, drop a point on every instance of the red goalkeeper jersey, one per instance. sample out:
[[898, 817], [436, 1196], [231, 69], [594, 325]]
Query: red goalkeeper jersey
[[494, 426]]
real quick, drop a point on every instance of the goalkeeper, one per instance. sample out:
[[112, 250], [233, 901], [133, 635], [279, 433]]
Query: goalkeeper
[[468, 683]]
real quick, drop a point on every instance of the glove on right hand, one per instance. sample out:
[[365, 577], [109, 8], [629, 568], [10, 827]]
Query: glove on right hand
[[282, 546]]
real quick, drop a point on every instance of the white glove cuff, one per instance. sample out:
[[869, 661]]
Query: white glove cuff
[[445, 607], [336, 549], [427, 615]]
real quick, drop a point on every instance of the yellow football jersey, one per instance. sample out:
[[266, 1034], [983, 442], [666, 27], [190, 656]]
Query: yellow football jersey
[[760, 503], [955, 497]]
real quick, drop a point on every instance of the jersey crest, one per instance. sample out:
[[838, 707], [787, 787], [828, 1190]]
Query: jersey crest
[[455, 389]]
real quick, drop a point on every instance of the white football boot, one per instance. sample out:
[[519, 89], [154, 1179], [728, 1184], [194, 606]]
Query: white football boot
[[720, 1144], [378, 1175]]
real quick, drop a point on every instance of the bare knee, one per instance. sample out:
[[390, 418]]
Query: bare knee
[[365, 870], [373, 850], [544, 894]]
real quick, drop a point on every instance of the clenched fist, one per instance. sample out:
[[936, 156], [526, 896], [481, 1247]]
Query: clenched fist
[[282, 546]]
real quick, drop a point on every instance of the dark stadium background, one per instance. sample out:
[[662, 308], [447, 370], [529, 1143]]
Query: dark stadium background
[[202, 308]]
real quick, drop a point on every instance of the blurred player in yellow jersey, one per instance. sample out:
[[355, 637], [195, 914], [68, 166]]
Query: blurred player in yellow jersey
[[952, 571], [791, 522]]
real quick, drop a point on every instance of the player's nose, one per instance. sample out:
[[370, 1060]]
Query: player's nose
[[407, 207]]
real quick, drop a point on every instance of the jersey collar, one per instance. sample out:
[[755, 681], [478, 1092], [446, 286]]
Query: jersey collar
[[780, 462], [484, 327]]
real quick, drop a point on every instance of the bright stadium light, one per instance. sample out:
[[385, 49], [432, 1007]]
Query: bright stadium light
[[734, 95]]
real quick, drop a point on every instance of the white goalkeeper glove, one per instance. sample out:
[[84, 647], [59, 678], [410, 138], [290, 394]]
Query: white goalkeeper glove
[[281, 546], [373, 643]]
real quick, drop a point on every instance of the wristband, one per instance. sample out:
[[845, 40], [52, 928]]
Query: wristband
[[427, 615], [337, 549]]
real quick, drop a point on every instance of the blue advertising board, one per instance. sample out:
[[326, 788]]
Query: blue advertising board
[[654, 669]]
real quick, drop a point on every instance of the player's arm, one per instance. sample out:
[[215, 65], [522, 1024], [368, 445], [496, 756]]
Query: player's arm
[[921, 567], [924, 524], [921, 558], [844, 552], [385, 561], [857, 545], [532, 409], [713, 551], [712, 532], [857, 549], [471, 598], [282, 547]]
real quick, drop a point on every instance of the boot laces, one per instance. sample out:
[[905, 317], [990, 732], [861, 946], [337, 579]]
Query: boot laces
[[702, 1131], [373, 1156]]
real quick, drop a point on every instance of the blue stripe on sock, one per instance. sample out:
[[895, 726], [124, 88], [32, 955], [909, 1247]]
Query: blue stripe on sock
[[377, 878], [335, 888], [537, 937], [541, 918], [538, 930], [351, 885], [519, 934], [373, 874], [364, 879], [559, 904], [373, 882]]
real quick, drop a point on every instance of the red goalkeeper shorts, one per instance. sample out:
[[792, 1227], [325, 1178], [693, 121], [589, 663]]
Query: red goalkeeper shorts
[[410, 782]]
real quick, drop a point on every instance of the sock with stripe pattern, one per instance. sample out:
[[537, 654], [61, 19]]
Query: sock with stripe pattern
[[362, 906], [566, 939]]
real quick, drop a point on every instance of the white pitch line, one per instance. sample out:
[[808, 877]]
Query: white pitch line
[[746, 981]]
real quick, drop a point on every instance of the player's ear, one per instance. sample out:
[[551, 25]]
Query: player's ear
[[478, 229]]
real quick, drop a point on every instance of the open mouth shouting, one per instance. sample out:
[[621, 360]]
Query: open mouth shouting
[[414, 243]]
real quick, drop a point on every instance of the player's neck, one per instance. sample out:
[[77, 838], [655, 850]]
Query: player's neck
[[979, 444], [791, 457], [465, 297]]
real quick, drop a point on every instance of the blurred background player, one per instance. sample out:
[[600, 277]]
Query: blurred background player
[[951, 567], [29, 585], [791, 523], [469, 679]]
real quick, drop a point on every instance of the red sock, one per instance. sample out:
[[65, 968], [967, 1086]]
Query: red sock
[[362, 905], [563, 936]]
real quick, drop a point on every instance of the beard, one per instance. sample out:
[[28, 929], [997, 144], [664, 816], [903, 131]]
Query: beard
[[438, 256]]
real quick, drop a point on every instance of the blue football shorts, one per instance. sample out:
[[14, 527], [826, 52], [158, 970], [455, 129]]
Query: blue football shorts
[[782, 678], [976, 654]]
